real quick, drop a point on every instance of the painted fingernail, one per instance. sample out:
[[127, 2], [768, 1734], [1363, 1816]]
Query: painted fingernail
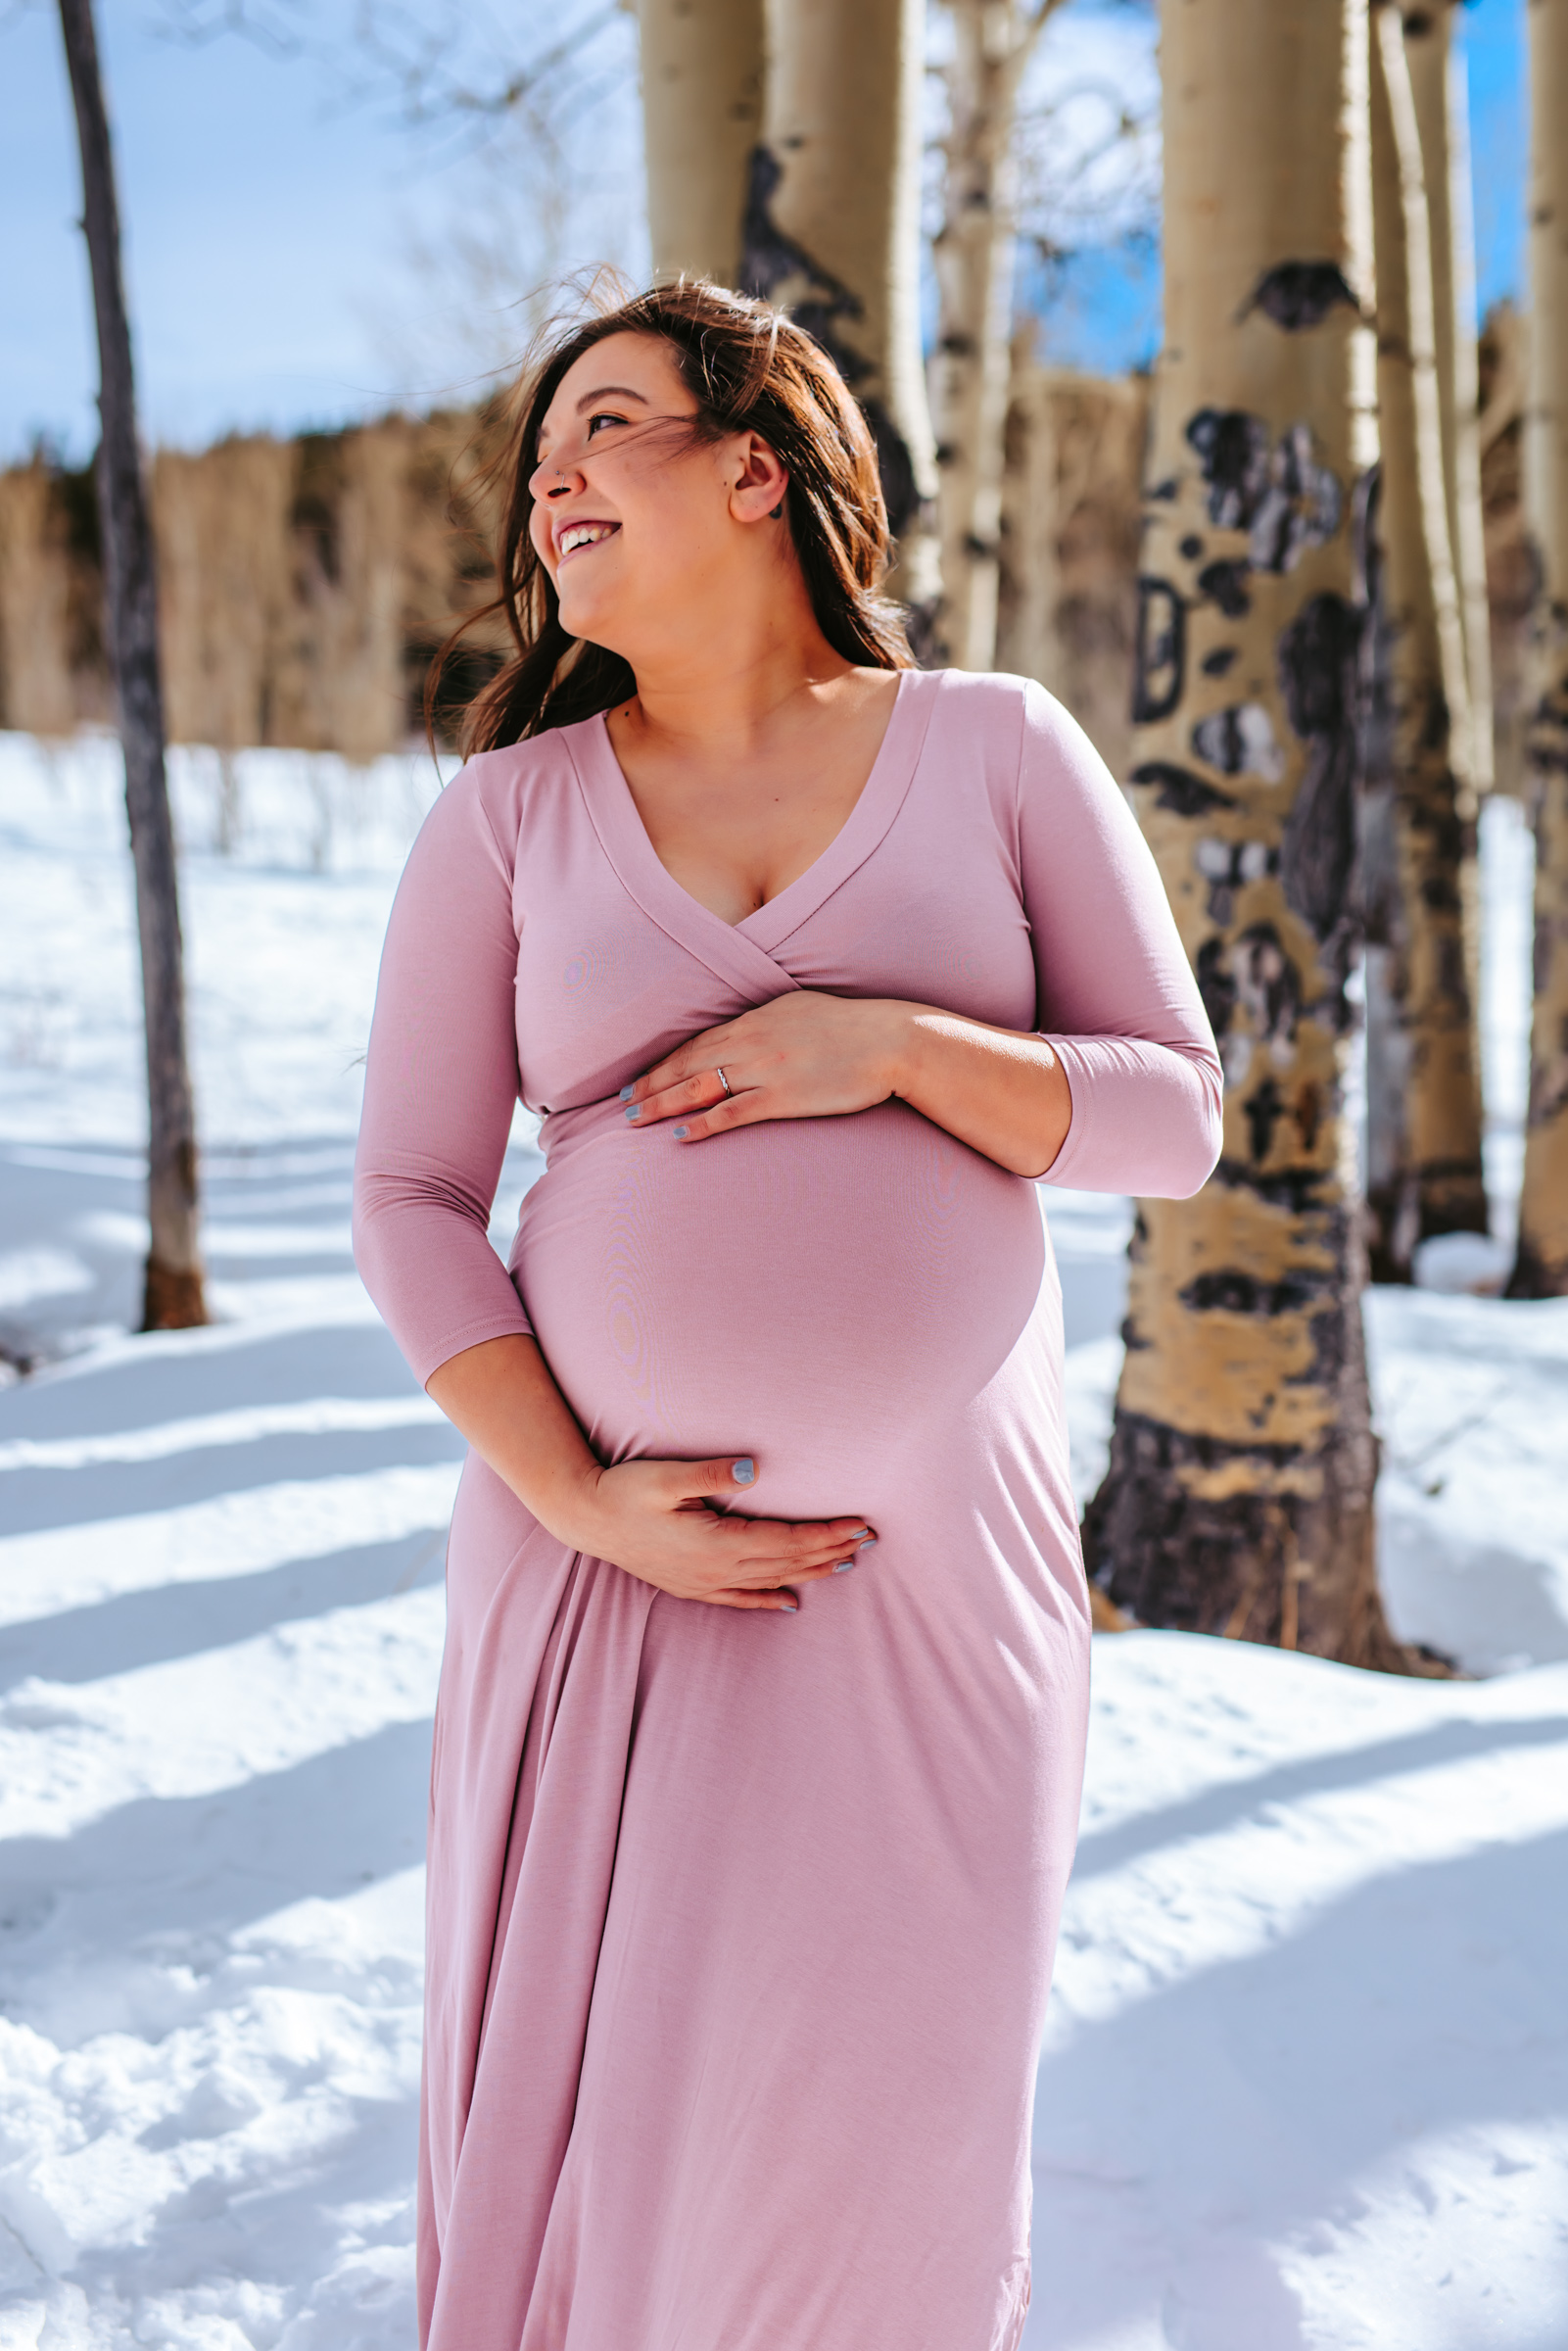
[[626, 1093], [790, 1607], [744, 1470], [866, 1543], [841, 1564], [634, 1110], [680, 1133]]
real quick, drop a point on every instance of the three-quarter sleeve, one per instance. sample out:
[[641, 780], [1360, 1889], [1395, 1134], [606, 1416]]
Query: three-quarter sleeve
[[441, 1085], [1117, 1000]]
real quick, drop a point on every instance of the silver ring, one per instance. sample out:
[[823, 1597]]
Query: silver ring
[[723, 1081]]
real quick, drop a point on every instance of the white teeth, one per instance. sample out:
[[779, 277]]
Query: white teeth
[[584, 534]]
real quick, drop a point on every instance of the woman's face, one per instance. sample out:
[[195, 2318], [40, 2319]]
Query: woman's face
[[637, 524]]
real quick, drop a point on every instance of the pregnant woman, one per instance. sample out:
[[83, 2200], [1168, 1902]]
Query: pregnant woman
[[761, 1724]]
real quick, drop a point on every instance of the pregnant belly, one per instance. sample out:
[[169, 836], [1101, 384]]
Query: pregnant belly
[[825, 1293]]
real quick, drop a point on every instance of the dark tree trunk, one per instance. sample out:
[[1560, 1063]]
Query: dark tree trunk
[[174, 1295]]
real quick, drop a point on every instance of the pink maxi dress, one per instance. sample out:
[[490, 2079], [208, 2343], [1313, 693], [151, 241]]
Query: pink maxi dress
[[740, 1925]]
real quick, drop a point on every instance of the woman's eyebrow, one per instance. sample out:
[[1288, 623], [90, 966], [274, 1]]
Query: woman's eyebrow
[[604, 393]]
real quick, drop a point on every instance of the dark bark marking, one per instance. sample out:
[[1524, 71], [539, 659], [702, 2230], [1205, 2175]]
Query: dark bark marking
[[1227, 1289], [1269, 985], [1283, 497], [1179, 790], [1173, 1557], [1296, 1189], [1301, 507], [1225, 582], [1192, 546], [1299, 294], [1533, 1275], [1317, 662], [1217, 663], [1225, 865], [1263, 1110], [768, 257], [1159, 652], [1239, 740], [1232, 448], [1216, 984]]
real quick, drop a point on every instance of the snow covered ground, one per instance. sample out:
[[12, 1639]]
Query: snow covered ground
[[1306, 2080]]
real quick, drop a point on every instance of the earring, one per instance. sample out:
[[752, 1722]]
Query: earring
[[776, 511]]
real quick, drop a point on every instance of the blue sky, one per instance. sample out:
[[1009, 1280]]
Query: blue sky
[[274, 232], [1104, 306]]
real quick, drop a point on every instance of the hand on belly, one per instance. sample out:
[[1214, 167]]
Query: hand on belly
[[659, 1521], [803, 1055], [809, 1055]]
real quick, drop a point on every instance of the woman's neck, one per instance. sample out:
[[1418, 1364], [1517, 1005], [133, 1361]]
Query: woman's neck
[[749, 665]]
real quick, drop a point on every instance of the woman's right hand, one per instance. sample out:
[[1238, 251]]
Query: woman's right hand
[[658, 1520], [664, 1521]]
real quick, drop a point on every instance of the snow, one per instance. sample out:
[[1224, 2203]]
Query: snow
[[1306, 2078]]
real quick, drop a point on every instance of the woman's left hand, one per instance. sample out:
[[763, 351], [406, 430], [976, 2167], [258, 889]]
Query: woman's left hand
[[802, 1056]]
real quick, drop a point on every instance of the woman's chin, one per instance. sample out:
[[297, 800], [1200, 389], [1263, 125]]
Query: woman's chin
[[584, 614]]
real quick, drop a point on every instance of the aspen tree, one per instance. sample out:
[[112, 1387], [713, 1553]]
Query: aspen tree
[[1239, 1493], [1438, 86], [1541, 1269], [973, 253], [832, 235], [1424, 1169], [702, 85], [174, 1295]]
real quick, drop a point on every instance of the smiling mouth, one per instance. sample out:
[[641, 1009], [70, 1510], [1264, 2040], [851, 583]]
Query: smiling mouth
[[579, 535]]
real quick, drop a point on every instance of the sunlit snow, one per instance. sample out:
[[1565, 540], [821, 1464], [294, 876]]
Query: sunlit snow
[[1304, 2085]]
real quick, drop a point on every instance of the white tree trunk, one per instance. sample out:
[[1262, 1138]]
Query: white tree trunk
[[1424, 1172], [702, 95], [1438, 87], [1541, 1270], [1426, 378], [832, 234], [1239, 1493], [1072, 525], [974, 254]]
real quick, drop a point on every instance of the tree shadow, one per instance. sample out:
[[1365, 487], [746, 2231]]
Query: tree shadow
[[219, 1369], [172, 1879], [1181, 2143], [1233, 1801], [185, 1619], [34, 1499]]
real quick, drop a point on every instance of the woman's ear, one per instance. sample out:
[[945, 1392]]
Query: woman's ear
[[758, 493]]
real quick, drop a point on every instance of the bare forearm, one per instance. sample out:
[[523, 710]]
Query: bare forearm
[[1002, 1092], [502, 1399]]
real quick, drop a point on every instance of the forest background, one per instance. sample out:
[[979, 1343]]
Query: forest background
[[1305, 2078]]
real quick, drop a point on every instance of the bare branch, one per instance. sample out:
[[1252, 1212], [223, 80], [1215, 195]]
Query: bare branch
[[196, 23]]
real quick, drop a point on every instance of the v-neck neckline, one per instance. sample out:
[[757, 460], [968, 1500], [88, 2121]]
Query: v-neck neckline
[[625, 838]]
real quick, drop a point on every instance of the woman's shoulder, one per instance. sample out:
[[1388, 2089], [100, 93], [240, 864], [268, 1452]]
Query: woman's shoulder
[[498, 791], [1007, 723], [990, 707], [508, 773]]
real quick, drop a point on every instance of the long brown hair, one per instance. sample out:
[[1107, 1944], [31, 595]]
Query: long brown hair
[[748, 368]]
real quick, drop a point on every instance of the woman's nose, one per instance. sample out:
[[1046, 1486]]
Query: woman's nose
[[551, 481]]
